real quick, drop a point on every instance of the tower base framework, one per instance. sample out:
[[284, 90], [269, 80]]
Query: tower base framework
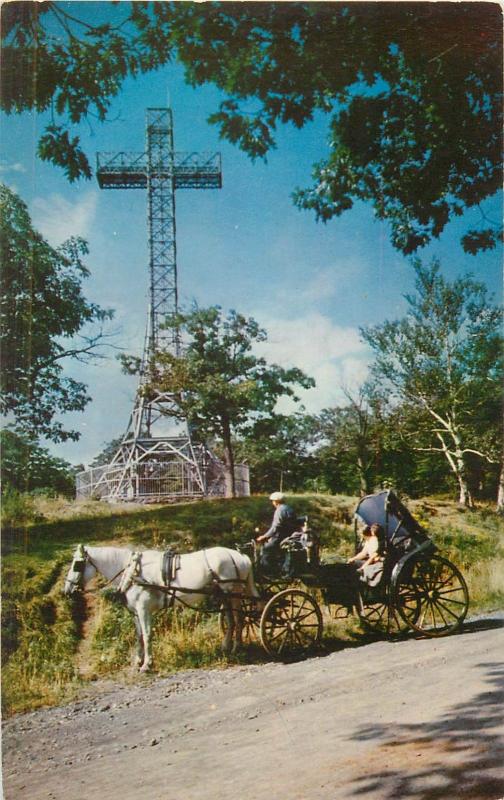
[[157, 475]]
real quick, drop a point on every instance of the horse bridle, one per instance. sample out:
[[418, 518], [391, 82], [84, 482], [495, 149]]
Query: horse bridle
[[79, 565]]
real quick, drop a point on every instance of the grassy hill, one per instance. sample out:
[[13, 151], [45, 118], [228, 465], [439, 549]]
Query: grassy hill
[[52, 646]]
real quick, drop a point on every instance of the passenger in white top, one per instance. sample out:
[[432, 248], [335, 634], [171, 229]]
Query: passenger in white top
[[371, 549]]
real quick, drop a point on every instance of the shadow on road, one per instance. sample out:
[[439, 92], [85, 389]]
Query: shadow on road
[[451, 758], [356, 638], [361, 638], [477, 625]]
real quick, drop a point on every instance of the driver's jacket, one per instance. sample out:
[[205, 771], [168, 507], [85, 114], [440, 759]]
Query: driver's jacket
[[284, 523]]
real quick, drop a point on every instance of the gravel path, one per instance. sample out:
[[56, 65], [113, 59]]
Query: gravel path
[[414, 720]]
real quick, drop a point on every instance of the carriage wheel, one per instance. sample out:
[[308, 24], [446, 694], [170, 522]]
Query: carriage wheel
[[291, 624], [270, 586], [250, 621], [431, 596], [377, 614]]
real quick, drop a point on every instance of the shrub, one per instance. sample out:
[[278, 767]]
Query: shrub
[[18, 509]]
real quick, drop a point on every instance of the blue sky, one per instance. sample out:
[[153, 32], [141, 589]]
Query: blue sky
[[244, 246]]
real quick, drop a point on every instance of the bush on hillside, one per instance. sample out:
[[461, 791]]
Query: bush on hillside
[[18, 509]]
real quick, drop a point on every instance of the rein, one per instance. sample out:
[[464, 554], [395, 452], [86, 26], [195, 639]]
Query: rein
[[111, 580]]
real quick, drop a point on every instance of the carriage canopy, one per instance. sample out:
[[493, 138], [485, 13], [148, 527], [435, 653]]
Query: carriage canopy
[[385, 509]]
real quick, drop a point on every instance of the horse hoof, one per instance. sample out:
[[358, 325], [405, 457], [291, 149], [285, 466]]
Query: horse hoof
[[145, 668]]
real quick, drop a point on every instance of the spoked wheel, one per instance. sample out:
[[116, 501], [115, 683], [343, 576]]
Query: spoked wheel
[[431, 596], [291, 624], [377, 614], [250, 621]]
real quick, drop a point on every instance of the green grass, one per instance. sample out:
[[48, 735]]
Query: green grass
[[52, 645]]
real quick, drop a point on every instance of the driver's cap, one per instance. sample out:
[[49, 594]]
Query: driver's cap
[[276, 496]]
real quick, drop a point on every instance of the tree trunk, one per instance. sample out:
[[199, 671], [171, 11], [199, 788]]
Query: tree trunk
[[465, 497], [363, 478], [500, 492], [228, 460], [457, 465]]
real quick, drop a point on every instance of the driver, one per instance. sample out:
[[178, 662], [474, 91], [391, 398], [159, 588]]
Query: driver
[[284, 523]]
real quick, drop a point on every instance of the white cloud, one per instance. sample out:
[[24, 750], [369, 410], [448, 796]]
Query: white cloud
[[326, 283], [309, 340], [331, 354], [354, 372], [16, 167], [57, 218], [322, 286]]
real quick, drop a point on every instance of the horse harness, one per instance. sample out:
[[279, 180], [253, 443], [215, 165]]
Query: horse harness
[[131, 574], [169, 567]]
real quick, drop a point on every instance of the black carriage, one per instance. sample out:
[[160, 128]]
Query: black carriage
[[416, 590]]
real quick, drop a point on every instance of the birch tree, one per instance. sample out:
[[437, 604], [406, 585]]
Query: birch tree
[[444, 358]]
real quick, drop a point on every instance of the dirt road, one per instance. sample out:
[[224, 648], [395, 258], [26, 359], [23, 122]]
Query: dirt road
[[415, 720]]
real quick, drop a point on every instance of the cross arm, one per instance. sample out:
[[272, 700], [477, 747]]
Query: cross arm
[[126, 170]]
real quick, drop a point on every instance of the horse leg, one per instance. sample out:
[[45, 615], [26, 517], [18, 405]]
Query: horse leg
[[237, 610], [145, 623], [147, 631], [140, 650], [228, 638]]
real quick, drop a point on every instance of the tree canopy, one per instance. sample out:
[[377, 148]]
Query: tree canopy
[[351, 435], [27, 467], [413, 92], [43, 321], [221, 386], [279, 450]]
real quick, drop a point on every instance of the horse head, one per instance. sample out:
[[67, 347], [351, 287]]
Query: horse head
[[80, 572]]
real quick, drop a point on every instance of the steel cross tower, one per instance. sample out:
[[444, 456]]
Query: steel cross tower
[[157, 457]]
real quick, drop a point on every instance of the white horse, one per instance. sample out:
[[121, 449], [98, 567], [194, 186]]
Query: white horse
[[217, 571]]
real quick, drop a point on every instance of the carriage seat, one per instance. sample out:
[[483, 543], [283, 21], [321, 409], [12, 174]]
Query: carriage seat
[[298, 540], [303, 545]]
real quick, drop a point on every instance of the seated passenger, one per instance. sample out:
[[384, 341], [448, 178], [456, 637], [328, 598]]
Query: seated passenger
[[369, 560]]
